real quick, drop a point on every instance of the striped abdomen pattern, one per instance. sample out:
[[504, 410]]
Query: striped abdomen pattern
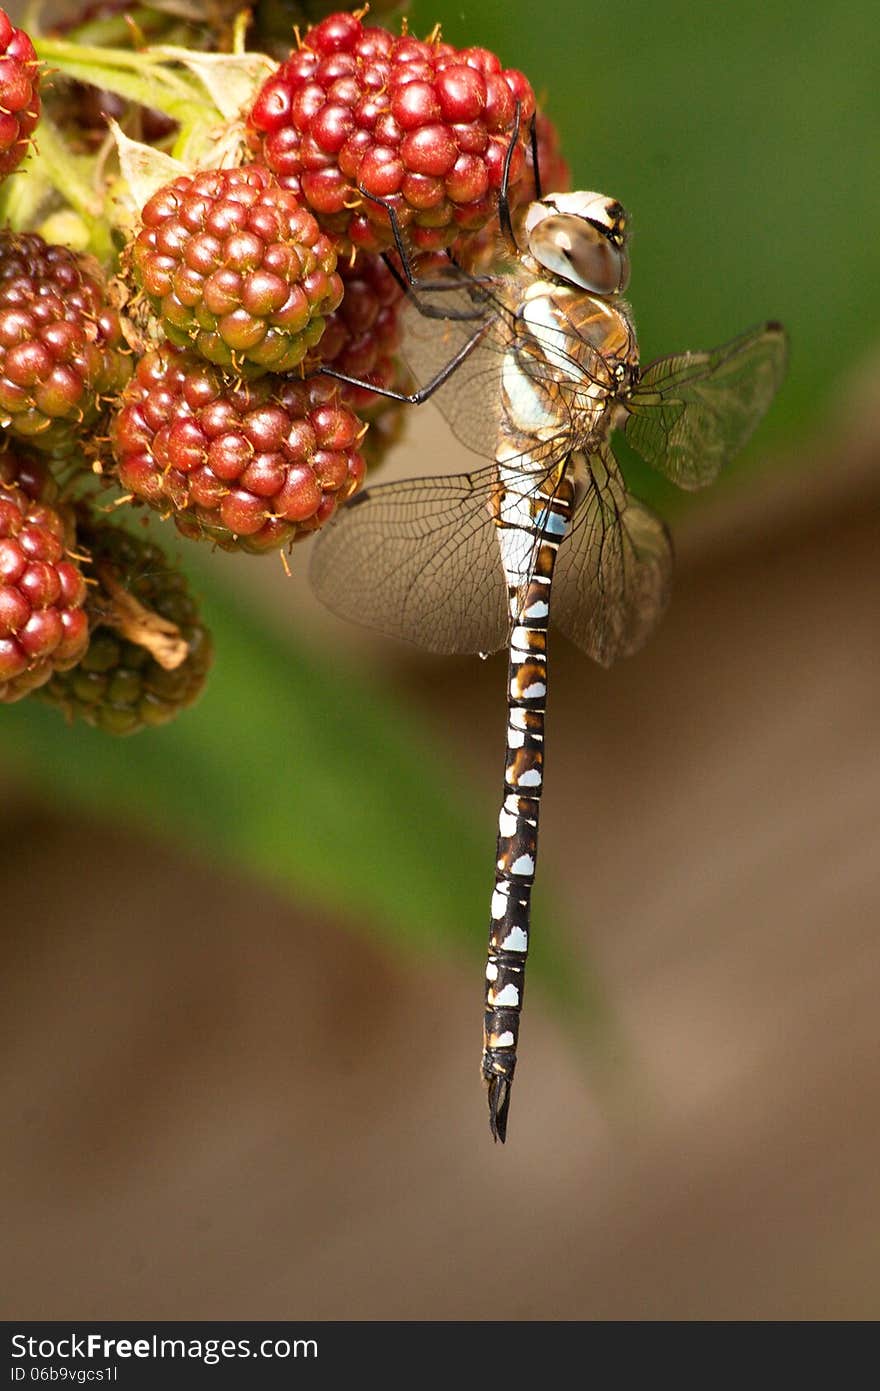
[[531, 528]]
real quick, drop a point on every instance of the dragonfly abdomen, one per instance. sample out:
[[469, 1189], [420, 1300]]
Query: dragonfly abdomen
[[516, 856]]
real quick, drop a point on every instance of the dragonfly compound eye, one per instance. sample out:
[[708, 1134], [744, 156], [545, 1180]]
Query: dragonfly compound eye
[[581, 253], [582, 238]]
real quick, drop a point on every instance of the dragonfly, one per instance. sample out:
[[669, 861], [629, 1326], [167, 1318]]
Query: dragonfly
[[534, 365]]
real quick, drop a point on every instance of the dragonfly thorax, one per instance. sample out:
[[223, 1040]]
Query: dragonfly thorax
[[582, 238], [570, 358]]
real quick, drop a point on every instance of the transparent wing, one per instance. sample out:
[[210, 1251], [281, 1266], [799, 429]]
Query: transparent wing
[[691, 413], [455, 309], [613, 572], [419, 560], [437, 323]]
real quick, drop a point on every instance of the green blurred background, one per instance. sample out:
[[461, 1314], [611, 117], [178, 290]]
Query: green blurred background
[[745, 142]]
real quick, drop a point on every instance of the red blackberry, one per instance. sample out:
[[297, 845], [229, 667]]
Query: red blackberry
[[250, 465], [30, 473], [43, 625], [274, 20], [362, 339], [477, 250], [61, 345], [19, 94], [121, 686], [236, 268], [418, 123]]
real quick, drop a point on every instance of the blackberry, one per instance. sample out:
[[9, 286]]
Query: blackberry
[[120, 686], [250, 465], [43, 624], [61, 344], [236, 268], [416, 122], [19, 94]]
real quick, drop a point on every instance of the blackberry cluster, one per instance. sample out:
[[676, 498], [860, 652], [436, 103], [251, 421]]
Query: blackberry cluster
[[43, 625], [237, 269], [250, 466], [62, 353], [186, 368]]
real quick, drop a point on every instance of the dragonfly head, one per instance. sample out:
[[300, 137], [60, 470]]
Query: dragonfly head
[[582, 238]]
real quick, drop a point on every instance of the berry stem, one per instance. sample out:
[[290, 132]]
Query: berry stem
[[161, 638], [116, 29], [67, 174], [139, 77]]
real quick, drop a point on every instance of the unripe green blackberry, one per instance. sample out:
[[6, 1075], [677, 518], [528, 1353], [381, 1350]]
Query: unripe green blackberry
[[418, 123], [236, 269], [62, 353], [19, 94], [119, 686], [249, 465], [43, 624]]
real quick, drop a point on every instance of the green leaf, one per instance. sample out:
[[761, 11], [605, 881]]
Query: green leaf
[[308, 773]]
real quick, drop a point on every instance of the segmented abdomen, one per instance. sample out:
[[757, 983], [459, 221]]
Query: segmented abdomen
[[530, 530]]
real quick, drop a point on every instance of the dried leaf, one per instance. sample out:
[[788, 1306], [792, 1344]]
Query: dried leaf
[[232, 80], [144, 168]]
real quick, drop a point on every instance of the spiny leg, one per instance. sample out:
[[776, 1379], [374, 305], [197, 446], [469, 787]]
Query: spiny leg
[[407, 279], [504, 220], [411, 289], [424, 393], [536, 162]]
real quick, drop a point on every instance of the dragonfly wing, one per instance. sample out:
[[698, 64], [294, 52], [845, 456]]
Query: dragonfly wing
[[614, 569], [691, 413], [418, 560], [437, 324]]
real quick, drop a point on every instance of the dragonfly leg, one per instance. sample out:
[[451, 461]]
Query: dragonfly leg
[[504, 193], [503, 203], [440, 311], [405, 275], [424, 393], [431, 311], [536, 163]]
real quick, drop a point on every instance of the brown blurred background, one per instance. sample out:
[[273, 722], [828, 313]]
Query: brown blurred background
[[208, 1101]]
